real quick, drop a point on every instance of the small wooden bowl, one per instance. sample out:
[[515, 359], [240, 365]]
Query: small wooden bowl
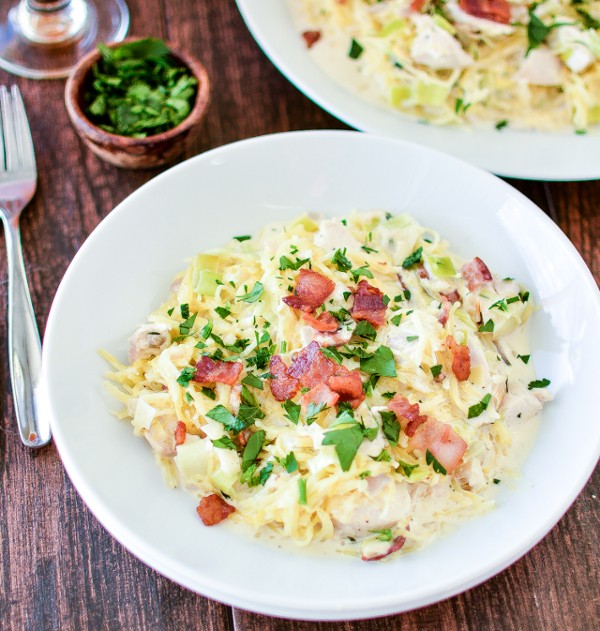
[[135, 153]]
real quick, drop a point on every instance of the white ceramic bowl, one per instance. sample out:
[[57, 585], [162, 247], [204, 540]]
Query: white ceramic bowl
[[528, 155], [123, 271]]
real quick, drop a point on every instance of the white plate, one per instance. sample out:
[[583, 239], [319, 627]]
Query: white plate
[[123, 271], [528, 155]]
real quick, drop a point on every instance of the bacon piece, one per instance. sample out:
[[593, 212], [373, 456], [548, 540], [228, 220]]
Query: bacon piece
[[348, 385], [475, 273], [403, 408], [422, 272], [495, 10], [325, 323], [210, 371], [311, 367], [442, 441], [321, 394], [282, 385], [453, 296], [244, 436], [213, 509], [312, 289], [461, 359], [394, 547], [311, 38], [443, 317], [180, 433], [368, 304], [417, 5]]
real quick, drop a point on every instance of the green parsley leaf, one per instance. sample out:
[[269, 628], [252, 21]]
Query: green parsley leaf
[[253, 447], [244, 237], [365, 329], [538, 383], [339, 259], [413, 259], [436, 370], [587, 20], [342, 315], [186, 327], [289, 463], [407, 469], [356, 50], [390, 426], [432, 460], [222, 415], [292, 411], [479, 408], [265, 473], [396, 319], [412, 338], [254, 294], [388, 395], [501, 305], [383, 456], [524, 358], [170, 311], [487, 327], [285, 263], [501, 124], [187, 374], [188, 397], [346, 294], [368, 250], [206, 330], [252, 380], [383, 535], [224, 443], [209, 393], [537, 31], [302, 499], [332, 353], [361, 271], [223, 311], [364, 474], [185, 311], [346, 440], [524, 296], [381, 363]]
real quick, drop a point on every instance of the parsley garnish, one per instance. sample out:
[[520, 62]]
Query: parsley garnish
[[383, 456], [396, 319], [206, 330], [524, 358], [187, 374], [139, 89], [383, 535], [390, 426], [356, 50], [222, 415], [365, 329], [412, 338], [479, 408], [538, 383], [289, 463], [209, 393], [252, 380], [292, 411], [407, 469], [224, 443], [243, 237], [252, 449], [436, 370], [487, 327], [501, 305], [332, 353], [254, 294], [186, 327], [170, 311], [432, 460], [302, 492], [223, 311], [346, 438], [413, 259], [285, 263], [361, 271], [185, 311], [368, 250], [380, 363], [339, 258], [501, 124], [537, 31]]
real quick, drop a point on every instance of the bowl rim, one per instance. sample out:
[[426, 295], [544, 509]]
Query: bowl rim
[[85, 126]]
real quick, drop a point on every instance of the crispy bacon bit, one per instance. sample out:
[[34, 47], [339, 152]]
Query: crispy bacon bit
[[403, 408], [312, 289], [213, 509], [311, 367], [394, 547], [311, 38], [475, 273], [210, 371], [461, 359], [368, 304], [244, 436], [325, 323], [417, 5], [422, 272], [348, 385], [180, 433], [442, 441], [282, 385], [495, 10], [443, 317], [453, 296], [321, 394]]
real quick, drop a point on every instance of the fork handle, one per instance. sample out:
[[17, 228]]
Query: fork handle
[[24, 347]]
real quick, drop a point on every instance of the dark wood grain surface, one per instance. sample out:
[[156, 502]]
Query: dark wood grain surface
[[59, 569]]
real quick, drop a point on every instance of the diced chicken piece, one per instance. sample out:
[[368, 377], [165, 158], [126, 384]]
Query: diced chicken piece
[[333, 235], [436, 48], [442, 441], [161, 435], [213, 509], [572, 45], [148, 341], [521, 403], [541, 67], [357, 513]]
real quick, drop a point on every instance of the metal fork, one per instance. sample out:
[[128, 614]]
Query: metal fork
[[18, 178]]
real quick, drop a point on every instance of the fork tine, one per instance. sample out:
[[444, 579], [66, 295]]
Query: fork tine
[[11, 151], [23, 133]]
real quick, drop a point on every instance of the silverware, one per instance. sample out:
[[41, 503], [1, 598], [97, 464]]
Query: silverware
[[18, 178]]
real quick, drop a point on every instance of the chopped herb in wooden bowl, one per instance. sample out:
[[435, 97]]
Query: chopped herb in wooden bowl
[[139, 89]]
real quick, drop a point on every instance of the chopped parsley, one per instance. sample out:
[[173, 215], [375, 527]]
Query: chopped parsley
[[254, 294], [381, 363], [501, 305], [243, 237], [407, 469], [186, 327], [435, 463], [224, 443], [368, 250], [209, 393], [361, 271], [187, 374], [412, 338], [487, 327], [383, 535], [185, 311], [285, 263], [170, 311], [413, 259], [524, 358], [436, 370], [365, 329], [501, 124], [396, 319], [356, 50], [302, 499], [479, 408], [289, 463], [346, 435], [538, 383], [252, 380], [206, 330], [332, 353], [223, 311], [292, 411], [222, 415], [341, 261], [383, 456], [253, 447], [390, 426]]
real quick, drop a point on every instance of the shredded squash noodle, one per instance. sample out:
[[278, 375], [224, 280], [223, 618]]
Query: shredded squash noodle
[[530, 65], [343, 380]]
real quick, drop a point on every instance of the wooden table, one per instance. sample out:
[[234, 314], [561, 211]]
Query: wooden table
[[59, 568]]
